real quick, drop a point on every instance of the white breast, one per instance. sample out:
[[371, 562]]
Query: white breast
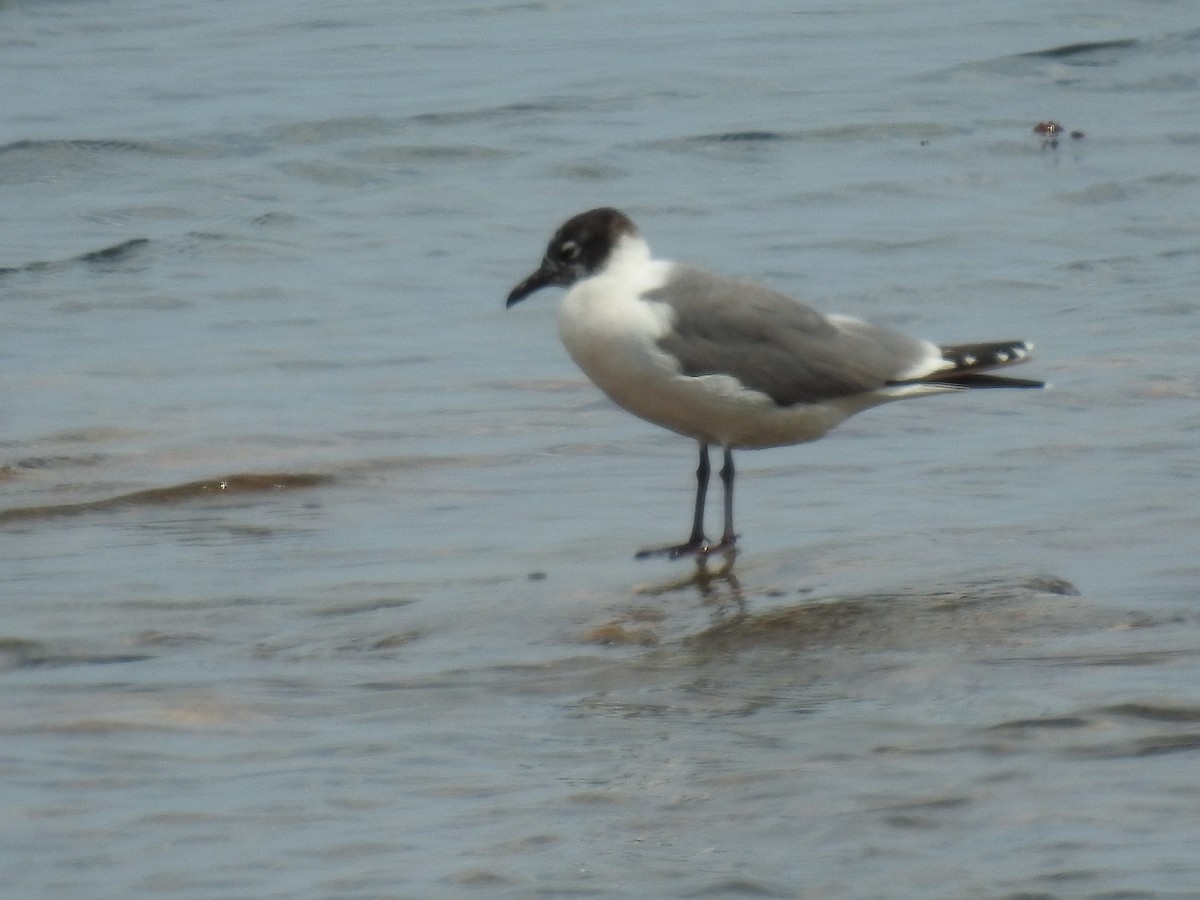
[[612, 333]]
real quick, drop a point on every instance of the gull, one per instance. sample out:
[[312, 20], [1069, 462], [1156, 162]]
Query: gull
[[729, 362]]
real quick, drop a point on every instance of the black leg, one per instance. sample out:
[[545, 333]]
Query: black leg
[[696, 543], [702, 472], [728, 538]]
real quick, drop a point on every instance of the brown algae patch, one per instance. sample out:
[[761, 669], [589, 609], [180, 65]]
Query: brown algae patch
[[250, 483]]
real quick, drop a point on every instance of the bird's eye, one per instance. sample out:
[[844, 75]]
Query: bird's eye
[[569, 250]]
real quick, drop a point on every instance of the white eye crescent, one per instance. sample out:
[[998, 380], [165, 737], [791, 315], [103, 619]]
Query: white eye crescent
[[569, 250]]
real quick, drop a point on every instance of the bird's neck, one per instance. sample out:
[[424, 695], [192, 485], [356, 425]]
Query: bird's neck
[[629, 252]]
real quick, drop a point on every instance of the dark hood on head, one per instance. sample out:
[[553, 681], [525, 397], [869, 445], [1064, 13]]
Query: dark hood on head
[[578, 249]]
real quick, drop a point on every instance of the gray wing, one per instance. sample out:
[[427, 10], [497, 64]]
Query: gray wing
[[776, 345]]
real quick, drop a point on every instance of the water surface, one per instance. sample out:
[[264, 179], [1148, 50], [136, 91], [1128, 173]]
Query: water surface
[[317, 564]]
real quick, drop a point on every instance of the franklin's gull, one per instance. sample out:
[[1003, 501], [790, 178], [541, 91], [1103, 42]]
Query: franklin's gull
[[730, 362]]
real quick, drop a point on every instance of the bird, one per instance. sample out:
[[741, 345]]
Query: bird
[[728, 362]]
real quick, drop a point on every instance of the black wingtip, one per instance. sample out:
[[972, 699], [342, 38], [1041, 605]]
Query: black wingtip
[[970, 365]]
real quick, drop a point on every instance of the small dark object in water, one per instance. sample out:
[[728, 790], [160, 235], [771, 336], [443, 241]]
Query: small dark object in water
[[1050, 131]]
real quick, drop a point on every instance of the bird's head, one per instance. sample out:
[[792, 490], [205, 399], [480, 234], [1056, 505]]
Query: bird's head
[[579, 248]]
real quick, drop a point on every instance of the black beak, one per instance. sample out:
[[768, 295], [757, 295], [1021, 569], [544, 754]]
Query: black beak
[[543, 277]]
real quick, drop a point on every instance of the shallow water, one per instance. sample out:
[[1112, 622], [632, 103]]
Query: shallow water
[[317, 564]]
